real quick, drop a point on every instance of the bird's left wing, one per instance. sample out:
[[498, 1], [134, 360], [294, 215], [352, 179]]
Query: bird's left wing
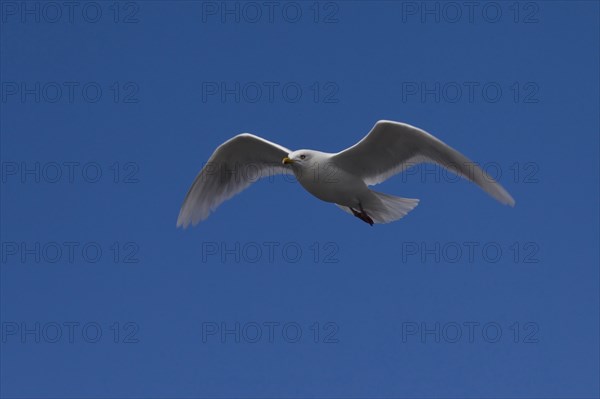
[[391, 147], [233, 166]]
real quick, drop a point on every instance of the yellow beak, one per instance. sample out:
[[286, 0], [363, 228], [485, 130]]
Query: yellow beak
[[286, 161]]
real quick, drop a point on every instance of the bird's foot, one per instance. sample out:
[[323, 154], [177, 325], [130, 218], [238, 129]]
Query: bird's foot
[[362, 215]]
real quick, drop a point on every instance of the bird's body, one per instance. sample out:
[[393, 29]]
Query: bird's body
[[342, 178], [326, 182]]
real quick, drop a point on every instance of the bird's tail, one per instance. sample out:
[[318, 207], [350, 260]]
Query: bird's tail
[[384, 208]]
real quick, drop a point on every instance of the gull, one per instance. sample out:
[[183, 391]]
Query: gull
[[342, 178]]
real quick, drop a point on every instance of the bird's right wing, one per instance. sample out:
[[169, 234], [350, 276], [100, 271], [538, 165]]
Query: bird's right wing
[[233, 166], [392, 147]]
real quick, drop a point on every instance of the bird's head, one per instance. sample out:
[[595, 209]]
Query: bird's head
[[301, 158]]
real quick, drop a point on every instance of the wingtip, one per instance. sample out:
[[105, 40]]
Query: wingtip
[[507, 199], [503, 196], [181, 223], [184, 222]]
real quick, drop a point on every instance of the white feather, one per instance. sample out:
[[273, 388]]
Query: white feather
[[233, 166], [342, 178], [392, 147]]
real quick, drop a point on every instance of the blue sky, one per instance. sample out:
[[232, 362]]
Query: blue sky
[[109, 110]]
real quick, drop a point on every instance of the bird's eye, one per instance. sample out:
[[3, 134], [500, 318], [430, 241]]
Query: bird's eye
[[302, 156]]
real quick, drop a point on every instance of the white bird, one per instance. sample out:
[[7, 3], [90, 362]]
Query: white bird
[[343, 178]]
